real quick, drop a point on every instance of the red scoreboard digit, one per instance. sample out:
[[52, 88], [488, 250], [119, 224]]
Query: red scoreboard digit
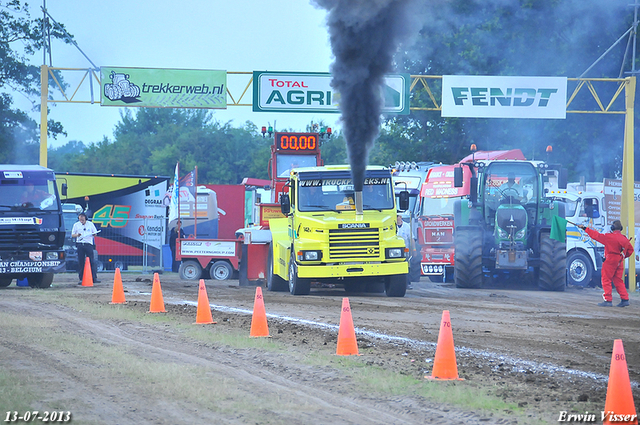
[[296, 141]]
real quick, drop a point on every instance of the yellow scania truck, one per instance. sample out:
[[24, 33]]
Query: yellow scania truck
[[333, 233]]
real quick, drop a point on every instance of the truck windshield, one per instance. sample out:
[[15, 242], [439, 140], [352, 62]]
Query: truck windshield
[[285, 163], [570, 206], [437, 206], [316, 195], [30, 194]]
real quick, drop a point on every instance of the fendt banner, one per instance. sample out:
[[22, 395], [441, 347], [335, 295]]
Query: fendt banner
[[473, 96], [312, 92], [163, 88]]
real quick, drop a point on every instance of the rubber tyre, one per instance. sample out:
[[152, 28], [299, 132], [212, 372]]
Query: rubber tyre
[[42, 280], [467, 272], [221, 270], [4, 282], [297, 286], [579, 269], [190, 270], [274, 282], [552, 274], [119, 265], [396, 285], [99, 266]]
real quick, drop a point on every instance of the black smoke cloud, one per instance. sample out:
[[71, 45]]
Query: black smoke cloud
[[364, 36]]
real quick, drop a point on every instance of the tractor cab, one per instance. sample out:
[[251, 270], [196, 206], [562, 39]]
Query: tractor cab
[[510, 191]]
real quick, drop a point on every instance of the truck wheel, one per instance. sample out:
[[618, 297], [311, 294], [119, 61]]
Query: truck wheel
[[552, 275], [42, 280], [579, 269], [221, 270], [396, 285], [4, 282], [99, 266], [297, 285], [190, 270], [467, 271], [274, 282], [119, 265]]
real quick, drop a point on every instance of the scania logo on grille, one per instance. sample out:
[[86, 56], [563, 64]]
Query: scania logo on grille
[[353, 225]]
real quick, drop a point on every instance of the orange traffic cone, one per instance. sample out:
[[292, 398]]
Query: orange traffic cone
[[203, 316], [259, 319], [445, 367], [618, 406], [347, 344], [157, 302], [87, 276], [117, 297]]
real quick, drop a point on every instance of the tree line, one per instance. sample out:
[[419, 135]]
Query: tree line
[[463, 37]]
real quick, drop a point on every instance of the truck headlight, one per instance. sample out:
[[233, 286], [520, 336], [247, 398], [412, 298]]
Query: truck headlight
[[502, 234], [520, 233], [52, 256], [309, 255], [395, 252]]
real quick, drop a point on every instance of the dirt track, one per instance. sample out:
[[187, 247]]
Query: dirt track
[[545, 352]]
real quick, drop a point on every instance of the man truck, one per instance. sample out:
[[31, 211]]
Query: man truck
[[31, 226]]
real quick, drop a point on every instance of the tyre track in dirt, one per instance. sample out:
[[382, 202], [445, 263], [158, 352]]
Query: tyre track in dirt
[[103, 397]]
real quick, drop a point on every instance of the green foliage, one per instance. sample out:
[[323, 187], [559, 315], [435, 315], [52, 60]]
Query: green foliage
[[20, 37], [535, 37], [154, 139]]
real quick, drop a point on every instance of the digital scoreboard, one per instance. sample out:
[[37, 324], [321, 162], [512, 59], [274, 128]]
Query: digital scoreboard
[[297, 142]]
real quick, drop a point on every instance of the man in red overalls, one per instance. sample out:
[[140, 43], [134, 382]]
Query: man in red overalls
[[616, 248]]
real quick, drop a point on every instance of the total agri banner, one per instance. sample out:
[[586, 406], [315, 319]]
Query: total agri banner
[[312, 92], [473, 96], [164, 88]]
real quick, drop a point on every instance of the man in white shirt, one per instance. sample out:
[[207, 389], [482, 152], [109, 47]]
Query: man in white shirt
[[404, 232], [84, 231]]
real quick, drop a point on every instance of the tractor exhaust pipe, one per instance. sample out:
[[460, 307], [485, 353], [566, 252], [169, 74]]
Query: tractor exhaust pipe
[[359, 206]]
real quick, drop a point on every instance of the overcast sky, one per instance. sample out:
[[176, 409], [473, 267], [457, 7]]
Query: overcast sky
[[239, 35]]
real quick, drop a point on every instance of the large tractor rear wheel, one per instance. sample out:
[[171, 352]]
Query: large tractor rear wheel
[[468, 258], [552, 275]]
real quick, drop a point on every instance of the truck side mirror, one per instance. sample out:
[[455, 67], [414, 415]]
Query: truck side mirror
[[473, 190], [63, 189], [563, 177], [285, 204], [457, 177], [403, 200]]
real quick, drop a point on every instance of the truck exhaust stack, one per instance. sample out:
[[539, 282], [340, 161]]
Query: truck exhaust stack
[[359, 207]]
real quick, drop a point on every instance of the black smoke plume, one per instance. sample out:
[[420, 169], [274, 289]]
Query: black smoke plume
[[364, 36]]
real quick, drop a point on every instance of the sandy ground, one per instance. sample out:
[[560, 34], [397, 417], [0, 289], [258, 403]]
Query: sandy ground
[[546, 352]]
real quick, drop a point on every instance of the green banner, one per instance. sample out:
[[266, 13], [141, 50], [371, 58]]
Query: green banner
[[164, 88]]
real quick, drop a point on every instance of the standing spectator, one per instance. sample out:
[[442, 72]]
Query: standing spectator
[[84, 231], [616, 248], [405, 233], [173, 237]]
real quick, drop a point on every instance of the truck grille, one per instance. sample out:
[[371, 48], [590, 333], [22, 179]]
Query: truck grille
[[354, 243], [19, 238]]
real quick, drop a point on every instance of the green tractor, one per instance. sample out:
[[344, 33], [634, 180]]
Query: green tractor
[[503, 228]]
